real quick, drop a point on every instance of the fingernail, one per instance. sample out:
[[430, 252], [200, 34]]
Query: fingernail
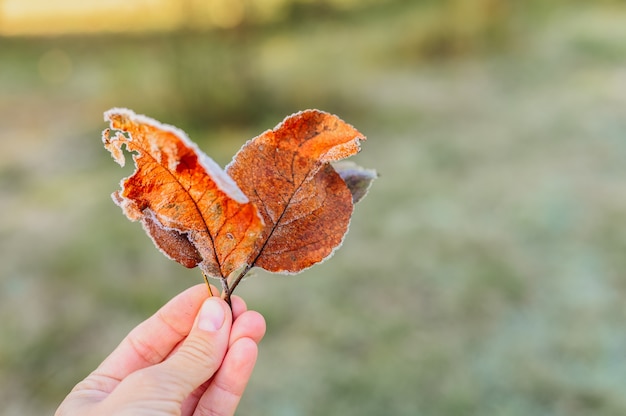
[[211, 315]]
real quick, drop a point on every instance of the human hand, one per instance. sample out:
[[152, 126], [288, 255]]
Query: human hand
[[189, 358]]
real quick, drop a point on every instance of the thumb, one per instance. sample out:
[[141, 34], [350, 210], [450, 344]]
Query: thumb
[[197, 359], [202, 353]]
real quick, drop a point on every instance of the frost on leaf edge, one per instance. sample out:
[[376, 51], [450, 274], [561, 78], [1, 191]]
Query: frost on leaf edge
[[222, 180]]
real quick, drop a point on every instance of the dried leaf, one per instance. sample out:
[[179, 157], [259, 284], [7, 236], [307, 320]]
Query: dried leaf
[[193, 211], [305, 204], [281, 206]]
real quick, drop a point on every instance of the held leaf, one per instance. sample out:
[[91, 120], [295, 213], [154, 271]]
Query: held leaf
[[305, 204], [283, 204], [192, 210]]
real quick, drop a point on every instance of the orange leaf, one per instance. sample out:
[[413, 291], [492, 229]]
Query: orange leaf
[[192, 209], [305, 204]]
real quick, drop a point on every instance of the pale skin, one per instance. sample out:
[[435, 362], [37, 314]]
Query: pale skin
[[192, 357]]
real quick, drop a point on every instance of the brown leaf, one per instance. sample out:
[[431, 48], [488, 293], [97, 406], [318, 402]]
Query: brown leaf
[[192, 209], [284, 206], [305, 204]]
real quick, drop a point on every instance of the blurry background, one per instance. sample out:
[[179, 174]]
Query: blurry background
[[485, 274]]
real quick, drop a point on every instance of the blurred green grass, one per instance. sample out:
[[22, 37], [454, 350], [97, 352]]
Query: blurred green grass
[[484, 273]]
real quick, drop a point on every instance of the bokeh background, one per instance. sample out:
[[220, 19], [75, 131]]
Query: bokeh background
[[485, 273]]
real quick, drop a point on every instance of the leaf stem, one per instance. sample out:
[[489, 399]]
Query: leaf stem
[[208, 285], [226, 291], [240, 277]]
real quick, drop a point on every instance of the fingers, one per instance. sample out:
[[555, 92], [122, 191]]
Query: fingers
[[238, 306], [154, 339], [201, 354], [225, 390], [249, 325], [197, 359], [168, 357]]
